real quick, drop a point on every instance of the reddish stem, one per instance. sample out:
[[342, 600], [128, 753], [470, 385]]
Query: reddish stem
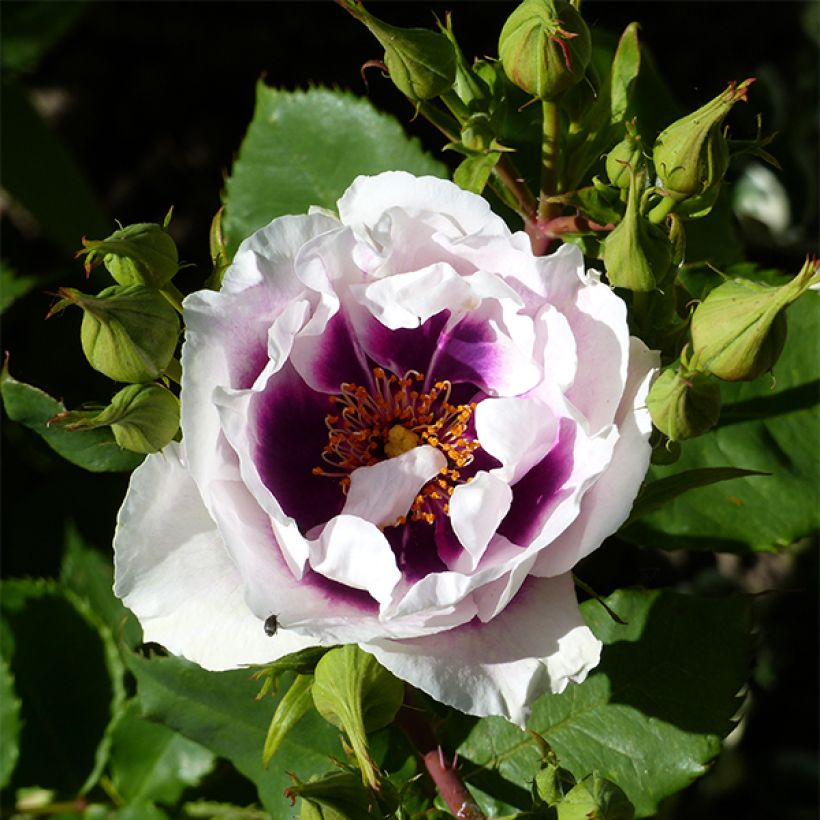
[[414, 722]]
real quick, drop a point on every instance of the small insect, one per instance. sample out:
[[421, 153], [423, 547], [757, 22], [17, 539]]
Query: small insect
[[271, 625]]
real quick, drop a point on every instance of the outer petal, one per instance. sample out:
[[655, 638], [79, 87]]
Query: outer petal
[[607, 504], [172, 570], [368, 198], [538, 644]]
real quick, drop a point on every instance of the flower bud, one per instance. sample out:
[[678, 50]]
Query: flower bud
[[421, 63], [142, 417], [595, 798], [143, 254], [552, 783], [545, 47], [637, 254], [692, 154], [129, 333], [626, 155], [683, 404], [739, 329]]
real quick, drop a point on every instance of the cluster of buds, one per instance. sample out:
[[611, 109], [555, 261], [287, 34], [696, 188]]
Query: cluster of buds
[[738, 333], [130, 333], [637, 212]]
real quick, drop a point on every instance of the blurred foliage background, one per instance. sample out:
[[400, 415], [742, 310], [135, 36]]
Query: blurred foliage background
[[114, 110]]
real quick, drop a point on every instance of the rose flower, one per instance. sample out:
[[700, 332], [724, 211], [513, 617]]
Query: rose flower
[[401, 430]]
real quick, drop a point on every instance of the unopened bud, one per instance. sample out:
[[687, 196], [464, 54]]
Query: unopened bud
[[626, 155], [637, 254], [595, 798], [545, 47], [692, 154], [739, 330], [552, 783], [143, 254], [129, 333], [683, 404], [421, 62], [142, 417]]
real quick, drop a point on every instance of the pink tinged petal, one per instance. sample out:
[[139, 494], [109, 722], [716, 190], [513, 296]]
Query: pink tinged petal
[[602, 340], [557, 348], [332, 355], [268, 254], [479, 350], [407, 300], [608, 503], [368, 198], [476, 510], [173, 571], [538, 644], [383, 492], [353, 552], [519, 432]]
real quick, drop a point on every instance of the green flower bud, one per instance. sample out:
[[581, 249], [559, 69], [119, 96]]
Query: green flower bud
[[478, 134], [739, 329], [683, 404], [626, 155], [143, 254], [545, 47], [421, 63], [692, 154], [129, 333], [637, 254], [552, 783], [595, 798], [142, 417]]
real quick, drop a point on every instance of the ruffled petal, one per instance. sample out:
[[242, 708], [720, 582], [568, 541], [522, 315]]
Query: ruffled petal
[[538, 644], [383, 492], [607, 504], [369, 198], [476, 510], [354, 553], [172, 570]]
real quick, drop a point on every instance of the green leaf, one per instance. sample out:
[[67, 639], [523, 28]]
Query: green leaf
[[141, 811], [655, 494], [67, 673], [90, 576], [151, 763], [220, 711], [31, 29], [304, 148], [10, 723], [771, 430], [222, 811], [93, 450], [353, 691], [293, 706], [13, 286], [650, 718]]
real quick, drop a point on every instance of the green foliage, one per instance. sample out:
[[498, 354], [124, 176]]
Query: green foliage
[[356, 694], [10, 723], [769, 425], [63, 743], [294, 705], [632, 719], [93, 450], [150, 763], [219, 710], [304, 149], [13, 286]]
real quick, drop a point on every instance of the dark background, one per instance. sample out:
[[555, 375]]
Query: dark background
[[152, 100]]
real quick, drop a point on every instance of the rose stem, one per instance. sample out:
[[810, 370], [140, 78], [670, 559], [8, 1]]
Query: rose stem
[[415, 725], [549, 159]]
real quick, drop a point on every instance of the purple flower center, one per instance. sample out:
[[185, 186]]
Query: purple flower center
[[394, 415]]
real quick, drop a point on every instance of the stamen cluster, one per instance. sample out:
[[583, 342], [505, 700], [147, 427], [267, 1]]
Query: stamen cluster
[[392, 417]]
